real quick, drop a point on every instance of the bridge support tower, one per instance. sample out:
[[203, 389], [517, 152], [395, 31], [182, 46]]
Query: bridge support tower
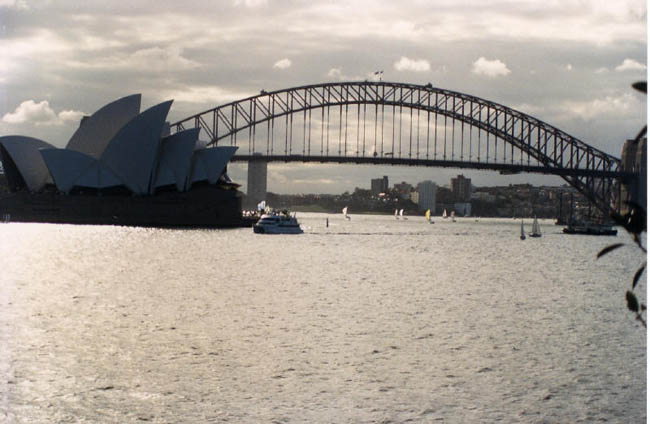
[[256, 188]]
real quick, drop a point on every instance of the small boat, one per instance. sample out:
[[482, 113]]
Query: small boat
[[537, 232], [523, 233], [453, 216], [401, 215], [444, 214], [396, 214], [427, 215], [277, 223], [345, 213]]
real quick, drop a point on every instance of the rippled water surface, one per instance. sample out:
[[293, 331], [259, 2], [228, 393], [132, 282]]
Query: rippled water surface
[[367, 320]]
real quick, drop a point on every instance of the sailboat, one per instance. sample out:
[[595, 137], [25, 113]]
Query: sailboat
[[523, 234], [427, 215], [396, 214], [453, 216], [537, 232], [444, 214], [401, 214], [345, 213]]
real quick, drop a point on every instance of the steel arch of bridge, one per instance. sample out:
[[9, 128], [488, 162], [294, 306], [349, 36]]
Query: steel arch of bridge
[[492, 136]]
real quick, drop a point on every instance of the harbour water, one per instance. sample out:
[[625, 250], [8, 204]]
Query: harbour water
[[371, 320]]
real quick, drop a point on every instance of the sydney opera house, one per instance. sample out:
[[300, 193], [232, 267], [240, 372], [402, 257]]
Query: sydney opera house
[[121, 167]]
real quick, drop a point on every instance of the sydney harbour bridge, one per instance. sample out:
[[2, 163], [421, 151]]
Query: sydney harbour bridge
[[387, 123]]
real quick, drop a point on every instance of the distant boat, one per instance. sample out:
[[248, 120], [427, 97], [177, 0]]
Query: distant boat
[[345, 213], [537, 232], [427, 215], [590, 228], [401, 214], [523, 234], [396, 214], [453, 216], [444, 214]]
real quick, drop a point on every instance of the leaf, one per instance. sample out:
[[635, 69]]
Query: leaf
[[609, 249], [632, 303], [637, 276]]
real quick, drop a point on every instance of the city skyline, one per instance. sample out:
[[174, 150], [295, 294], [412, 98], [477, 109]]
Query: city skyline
[[570, 64]]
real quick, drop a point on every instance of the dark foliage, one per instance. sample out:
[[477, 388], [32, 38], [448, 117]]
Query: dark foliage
[[635, 223]]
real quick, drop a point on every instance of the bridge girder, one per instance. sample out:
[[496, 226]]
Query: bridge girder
[[546, 148]]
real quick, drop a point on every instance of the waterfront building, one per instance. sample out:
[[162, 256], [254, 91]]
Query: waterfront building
[[379, 185], [415, 197], [120, 168], [427, 195], [404, 189], [461, 188], [463, 208], [484, 196]]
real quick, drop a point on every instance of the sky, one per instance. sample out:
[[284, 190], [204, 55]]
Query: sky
[[570, 63]]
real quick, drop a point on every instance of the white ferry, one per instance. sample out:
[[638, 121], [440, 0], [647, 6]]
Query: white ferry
[[277, 223]]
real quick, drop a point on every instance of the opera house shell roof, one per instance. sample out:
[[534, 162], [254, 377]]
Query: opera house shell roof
[[117, 147]]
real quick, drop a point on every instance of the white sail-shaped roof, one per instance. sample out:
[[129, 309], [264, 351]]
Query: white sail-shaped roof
[[74, 169], [131, 154], [97, 175], [66, 166], [24, 153], [175, 159], [96, 131], [208, 164]]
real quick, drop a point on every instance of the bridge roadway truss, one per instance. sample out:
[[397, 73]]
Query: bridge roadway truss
[[386, 123]]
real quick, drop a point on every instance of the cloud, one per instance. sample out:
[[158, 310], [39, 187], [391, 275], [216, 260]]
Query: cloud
[[15, 4], [158, 58], [491, 68], [406, 64], [251, 3], [71, 115], [609, 106], [154, 58], [282, 64], [337, 74], [205, 94], [30, 112], [630, 65]]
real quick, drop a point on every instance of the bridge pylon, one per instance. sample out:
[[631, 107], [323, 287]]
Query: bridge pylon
[[256, 184]]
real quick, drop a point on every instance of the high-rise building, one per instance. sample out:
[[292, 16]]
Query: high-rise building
[[379, 185], [404, 189], [461, 188], [256, 191], [427, 195]]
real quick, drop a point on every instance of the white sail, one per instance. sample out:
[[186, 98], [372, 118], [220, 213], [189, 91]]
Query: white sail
[[396, 214], [401, 212], [444, 213], [345, 212], [537, 231]]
